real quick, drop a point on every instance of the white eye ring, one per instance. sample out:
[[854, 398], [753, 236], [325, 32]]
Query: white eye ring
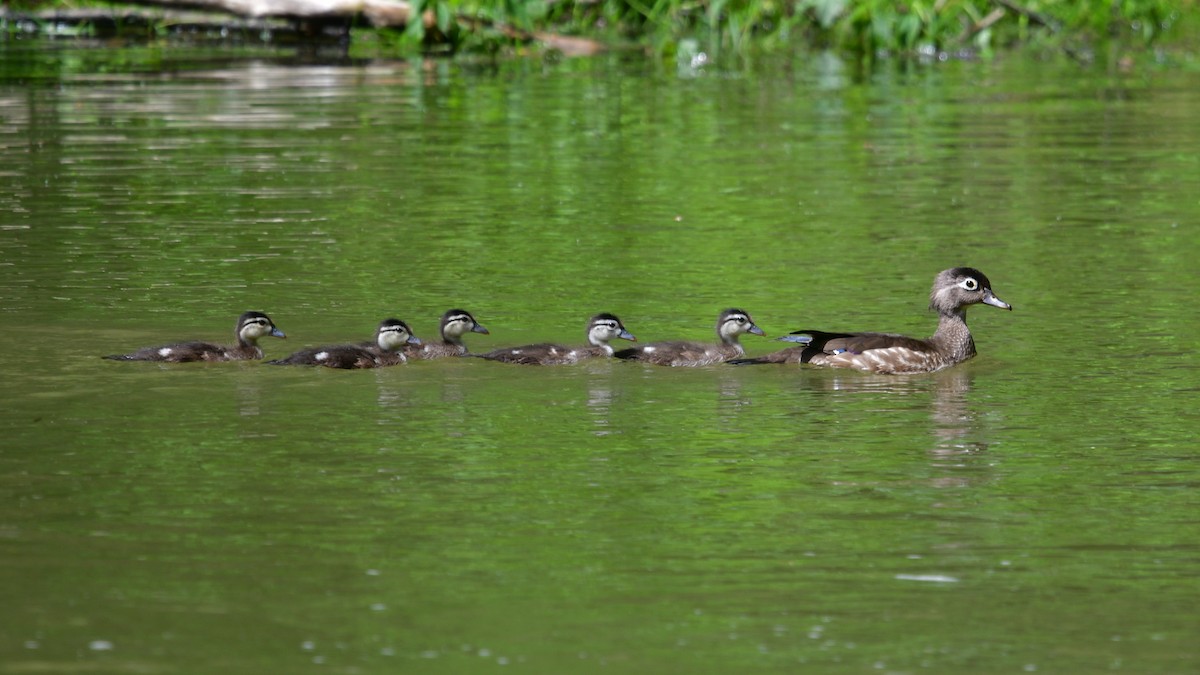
[[969, 284]]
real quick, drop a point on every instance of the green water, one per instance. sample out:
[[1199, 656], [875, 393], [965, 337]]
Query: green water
[[1032, 510]]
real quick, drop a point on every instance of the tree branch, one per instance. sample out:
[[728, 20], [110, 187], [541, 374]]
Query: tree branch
[[1036, 17]]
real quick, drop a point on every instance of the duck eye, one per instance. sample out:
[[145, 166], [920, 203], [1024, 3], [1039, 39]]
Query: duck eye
[[969, 284]]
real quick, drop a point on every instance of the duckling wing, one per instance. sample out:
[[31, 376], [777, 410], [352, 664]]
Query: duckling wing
[[532, 355], [334, 356], [674, 353], [175, 353], [789, 355]]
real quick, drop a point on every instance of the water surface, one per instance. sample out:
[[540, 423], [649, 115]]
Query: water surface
[[1031, 510]]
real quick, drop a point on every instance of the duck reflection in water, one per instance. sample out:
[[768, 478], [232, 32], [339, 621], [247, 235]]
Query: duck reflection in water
[[393, 397], [599, 403], [731, 399], [249, 398], [954, 422]]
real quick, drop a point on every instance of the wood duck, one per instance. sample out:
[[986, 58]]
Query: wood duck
[[455, 323], [954, 290], [731, 324], [390, 337], [600, 329], [250, 327]]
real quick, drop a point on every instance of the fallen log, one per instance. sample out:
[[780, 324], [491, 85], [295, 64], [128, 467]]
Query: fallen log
[[111, 17], [1036, 17], [380, 13], [394, 14]]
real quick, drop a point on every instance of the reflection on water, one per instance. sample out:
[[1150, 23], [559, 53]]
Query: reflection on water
[[956, 420], [454, 418], [731, 396], [599, 401], [392, 397], [249, 397]]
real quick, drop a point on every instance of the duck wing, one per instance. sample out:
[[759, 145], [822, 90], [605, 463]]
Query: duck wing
[[858, 343]]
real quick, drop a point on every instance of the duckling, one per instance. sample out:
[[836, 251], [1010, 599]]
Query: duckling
[[390, 337], [600, 329], [730, 325], [455, 323], [954, 290], [250, 327]]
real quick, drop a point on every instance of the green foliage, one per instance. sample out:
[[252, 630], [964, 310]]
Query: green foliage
[[868, 27]]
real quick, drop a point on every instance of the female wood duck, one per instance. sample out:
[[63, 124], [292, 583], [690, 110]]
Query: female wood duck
[[390, 337], [731, 324], [250, 327], [954, 290], [600, 330], [455, 323]]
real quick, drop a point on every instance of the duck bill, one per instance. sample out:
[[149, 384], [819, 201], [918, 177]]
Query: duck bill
[[990, 299], [480, 329], [413, 340], [626, 335], [755, 330], [275, 332]]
